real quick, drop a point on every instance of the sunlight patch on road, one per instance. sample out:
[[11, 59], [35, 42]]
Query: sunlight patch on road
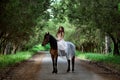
[[48, 59], [35, 60]]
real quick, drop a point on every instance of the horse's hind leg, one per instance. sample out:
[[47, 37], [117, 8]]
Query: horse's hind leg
[[73, 63], [68, 65]]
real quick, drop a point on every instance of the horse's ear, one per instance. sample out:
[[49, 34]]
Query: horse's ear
[[47, 33]]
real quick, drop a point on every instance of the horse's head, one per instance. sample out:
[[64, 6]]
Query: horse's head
[[46, 39]]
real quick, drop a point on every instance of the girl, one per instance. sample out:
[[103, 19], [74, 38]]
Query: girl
[[62, 46]]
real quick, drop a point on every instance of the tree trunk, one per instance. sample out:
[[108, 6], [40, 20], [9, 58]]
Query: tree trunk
[[107, 44], [1, 34], [116, 50], [5, 50], [115, 42], [14, 49], [82, 48]]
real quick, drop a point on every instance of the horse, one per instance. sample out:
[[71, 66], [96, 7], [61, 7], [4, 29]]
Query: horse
[[48, 38]]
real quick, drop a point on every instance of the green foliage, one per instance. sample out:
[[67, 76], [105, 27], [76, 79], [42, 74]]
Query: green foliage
[[119, 7], [40, 48], [20, 20], [8, 60], [24, 22], [95, 15]]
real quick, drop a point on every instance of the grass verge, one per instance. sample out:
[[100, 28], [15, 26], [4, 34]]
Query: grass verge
[[11, 59], [8, 60], [108, 59]]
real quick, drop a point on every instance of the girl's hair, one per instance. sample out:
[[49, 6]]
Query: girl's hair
[[60, 30], [61, 27]]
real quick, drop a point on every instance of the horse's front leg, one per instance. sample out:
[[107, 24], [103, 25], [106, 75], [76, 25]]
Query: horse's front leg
[[56, 64], [53, 62]]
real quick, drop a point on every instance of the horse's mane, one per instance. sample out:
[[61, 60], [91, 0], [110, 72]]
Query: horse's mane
[[52, 38], [53, 42]]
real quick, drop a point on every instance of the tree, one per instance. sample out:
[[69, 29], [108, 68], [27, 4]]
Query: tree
[[100, 14], [19, 19]]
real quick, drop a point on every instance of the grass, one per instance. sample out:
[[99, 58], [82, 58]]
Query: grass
[[11, 59], [106, 58]]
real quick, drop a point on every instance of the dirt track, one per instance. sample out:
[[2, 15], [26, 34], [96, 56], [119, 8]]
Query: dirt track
[[39, 67]]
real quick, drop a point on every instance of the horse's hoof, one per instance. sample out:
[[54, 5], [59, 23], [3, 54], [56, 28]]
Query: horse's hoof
[[53, 71], [56, 71], [72, 70], [68, 70]]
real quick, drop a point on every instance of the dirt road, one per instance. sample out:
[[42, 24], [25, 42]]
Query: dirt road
[[39, 67]]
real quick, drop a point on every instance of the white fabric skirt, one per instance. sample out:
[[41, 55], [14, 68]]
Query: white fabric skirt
[[62, 45]]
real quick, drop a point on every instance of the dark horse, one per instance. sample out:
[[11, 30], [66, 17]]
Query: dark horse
[[54, 51]]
